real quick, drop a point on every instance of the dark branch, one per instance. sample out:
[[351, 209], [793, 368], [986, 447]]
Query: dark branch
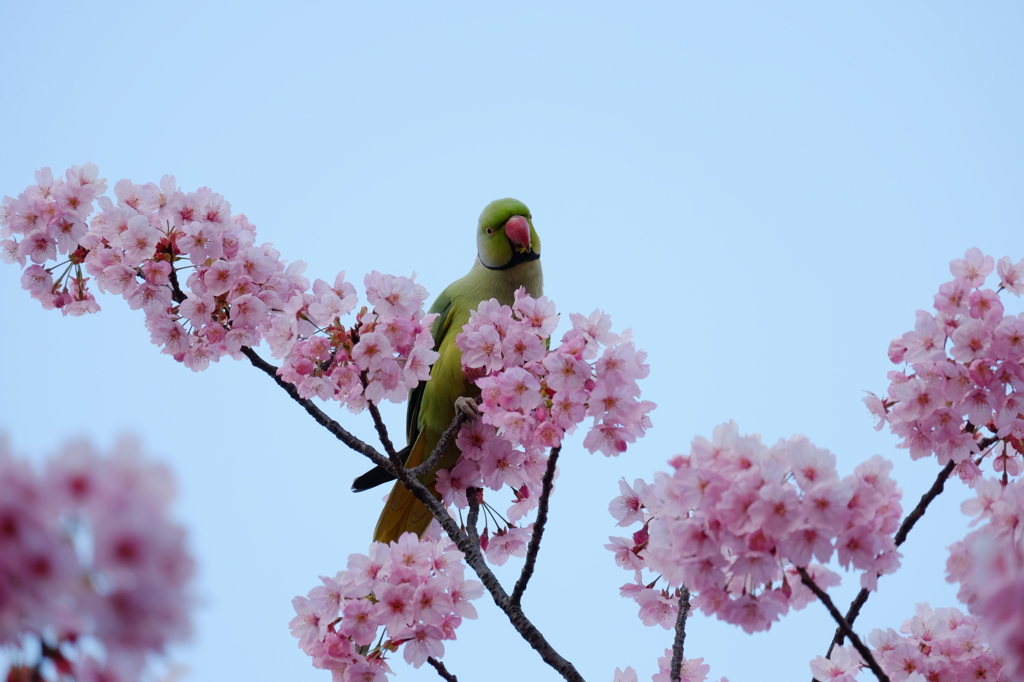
[[865, 653], [382, 430], [441, 670], [442, 445], [177, 295], [315, 412], [538, 527], [676, 671], [915, 515]]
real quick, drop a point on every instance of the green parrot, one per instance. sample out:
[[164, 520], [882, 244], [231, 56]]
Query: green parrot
[[508, 257]]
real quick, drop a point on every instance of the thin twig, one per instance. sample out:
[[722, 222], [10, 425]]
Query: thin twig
[[378, 423], [915, 515], [441, 670], [676, 671], [538, 527], [865, 653], [442, 445], [336, 429]]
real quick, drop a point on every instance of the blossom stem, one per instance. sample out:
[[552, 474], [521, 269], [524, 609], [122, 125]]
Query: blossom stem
[[382, 429], [177, 295], [538, 527], [675, 672], [442, 445], [865, 653]]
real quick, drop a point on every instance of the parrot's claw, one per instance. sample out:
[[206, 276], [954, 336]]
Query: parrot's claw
[[467, 408]]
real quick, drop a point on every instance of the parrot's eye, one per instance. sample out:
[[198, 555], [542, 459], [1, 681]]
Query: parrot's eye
[[489, 231]]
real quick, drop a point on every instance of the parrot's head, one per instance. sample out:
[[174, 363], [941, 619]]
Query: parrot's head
[[505, 236]]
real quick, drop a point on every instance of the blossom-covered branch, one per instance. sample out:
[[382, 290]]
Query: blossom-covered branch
[[208, 291]]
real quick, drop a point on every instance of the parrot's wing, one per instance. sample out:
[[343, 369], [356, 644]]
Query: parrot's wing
[[445, 310], [378, 475]]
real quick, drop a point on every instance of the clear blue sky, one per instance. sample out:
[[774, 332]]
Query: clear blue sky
[[764, 192]]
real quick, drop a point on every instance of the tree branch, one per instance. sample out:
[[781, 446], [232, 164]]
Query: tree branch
[[441, 670], [676, 671], [315, 412], [468, 543], [538, 527], [442, 445], [520, 622], [864, 652], [901, 535], [382, 430]]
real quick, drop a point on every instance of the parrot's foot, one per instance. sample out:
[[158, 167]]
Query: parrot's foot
[[467, 408]]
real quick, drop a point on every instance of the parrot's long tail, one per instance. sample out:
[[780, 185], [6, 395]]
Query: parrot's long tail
[[402, 513]]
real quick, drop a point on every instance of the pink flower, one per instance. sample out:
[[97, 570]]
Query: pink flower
[[626, 508], [565, 372], [520, 390], [1011, 275], [220, 277], [611, 440], [481, 348], [953, 297], [539, 313], [508, 543], [393, 296], [627, 675], [595, 329], [657, 608], [974, 267], [395, 604], [371, 351], [925, 342], [38, 247], [248, 311], [306, 625], [139, 240], [359, 622]]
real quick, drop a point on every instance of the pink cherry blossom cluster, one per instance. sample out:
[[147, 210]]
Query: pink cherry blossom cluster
[[531, 397], [236, 294], [47, 219], [965, 371], [415, 588], [534, 396], [692, 670], [385, 354], [92, 569], [939, 644], [989, 565], [735, 519]]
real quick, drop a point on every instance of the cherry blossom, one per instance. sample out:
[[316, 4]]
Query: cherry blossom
[[414, 588]]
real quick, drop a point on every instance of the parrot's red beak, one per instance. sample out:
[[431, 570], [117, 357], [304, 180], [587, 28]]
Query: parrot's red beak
[[518, 230]]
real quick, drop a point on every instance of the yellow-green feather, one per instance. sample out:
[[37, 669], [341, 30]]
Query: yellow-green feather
[[432, 404]]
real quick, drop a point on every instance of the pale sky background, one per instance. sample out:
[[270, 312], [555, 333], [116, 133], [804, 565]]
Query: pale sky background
[[764, 192]]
